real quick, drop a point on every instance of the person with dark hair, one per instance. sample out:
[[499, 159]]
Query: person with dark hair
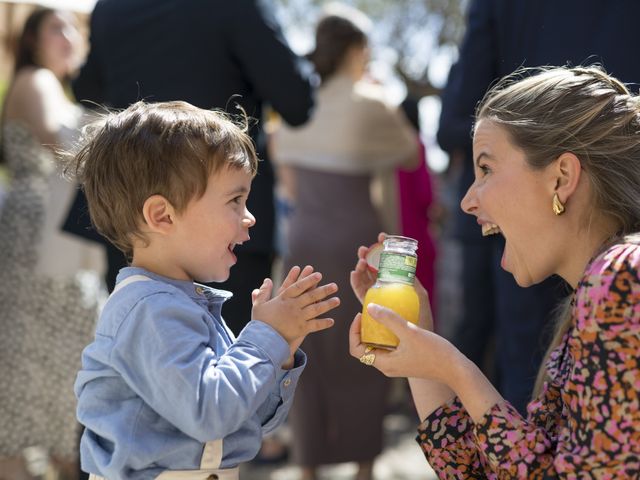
[[337, 415], [557, 173], [49, 280]]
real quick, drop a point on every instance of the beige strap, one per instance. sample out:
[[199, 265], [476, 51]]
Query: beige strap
[[227, 474], [211, 455], [128, 280]]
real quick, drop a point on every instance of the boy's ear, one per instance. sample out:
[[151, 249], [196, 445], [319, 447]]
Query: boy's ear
[[567, 174], [158, 214]]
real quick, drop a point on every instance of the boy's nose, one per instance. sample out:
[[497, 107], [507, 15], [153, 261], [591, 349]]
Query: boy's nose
[[249, 220]]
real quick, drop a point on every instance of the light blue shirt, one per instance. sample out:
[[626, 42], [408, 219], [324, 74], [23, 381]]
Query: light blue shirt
[[164, 375]]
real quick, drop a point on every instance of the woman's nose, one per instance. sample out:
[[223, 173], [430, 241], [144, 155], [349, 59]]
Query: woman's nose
[[469, 201]]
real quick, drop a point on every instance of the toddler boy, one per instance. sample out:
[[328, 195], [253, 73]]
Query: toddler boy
[[165, 390]]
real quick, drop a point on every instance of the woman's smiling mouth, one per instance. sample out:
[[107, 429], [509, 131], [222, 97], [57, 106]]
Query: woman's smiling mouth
[[490, 229]]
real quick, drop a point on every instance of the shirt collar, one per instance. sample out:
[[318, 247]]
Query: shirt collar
[[194, 290]]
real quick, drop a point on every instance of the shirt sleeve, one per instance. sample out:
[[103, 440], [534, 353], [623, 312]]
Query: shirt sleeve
[[273, 412], [469, 78], [89, 84], [163, 351]]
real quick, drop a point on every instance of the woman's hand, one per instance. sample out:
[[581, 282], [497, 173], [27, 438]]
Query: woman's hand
[[436, 369], [420, 353], [362, 278]]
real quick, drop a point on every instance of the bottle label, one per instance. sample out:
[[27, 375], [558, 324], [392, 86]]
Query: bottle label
[[396, 267]]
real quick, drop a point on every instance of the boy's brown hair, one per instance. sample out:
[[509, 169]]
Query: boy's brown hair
[[167, 149]]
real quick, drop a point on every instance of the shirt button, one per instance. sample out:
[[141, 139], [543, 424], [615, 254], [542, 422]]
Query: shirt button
[[200, 290], [286, 382]]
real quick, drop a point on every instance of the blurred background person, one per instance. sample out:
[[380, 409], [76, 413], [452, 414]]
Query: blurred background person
[[49, 280], [501, 36], [328, 165], [212, 55], [416, 201]]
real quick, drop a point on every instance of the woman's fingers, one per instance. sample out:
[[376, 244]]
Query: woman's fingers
[[356, 347], [388, 318]]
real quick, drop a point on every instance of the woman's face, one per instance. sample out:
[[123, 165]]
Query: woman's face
[[58, 43], [508, 197]]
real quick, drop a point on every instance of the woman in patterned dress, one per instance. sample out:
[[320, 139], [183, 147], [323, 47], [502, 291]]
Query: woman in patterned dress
[[557, 165], [49, 280]]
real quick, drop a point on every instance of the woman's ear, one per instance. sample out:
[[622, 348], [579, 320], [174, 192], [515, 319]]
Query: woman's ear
[[567, 174], [159, 214]]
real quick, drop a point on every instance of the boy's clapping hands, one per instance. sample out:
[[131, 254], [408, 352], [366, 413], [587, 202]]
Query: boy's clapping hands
[[295, 309]]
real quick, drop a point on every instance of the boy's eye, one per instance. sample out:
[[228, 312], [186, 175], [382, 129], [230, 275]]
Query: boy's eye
[[237, 200]]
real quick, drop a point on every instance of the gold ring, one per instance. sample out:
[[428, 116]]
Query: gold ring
[[368, 348], [368, 358]]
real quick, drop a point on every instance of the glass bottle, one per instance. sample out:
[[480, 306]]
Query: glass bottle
[[393, 289]]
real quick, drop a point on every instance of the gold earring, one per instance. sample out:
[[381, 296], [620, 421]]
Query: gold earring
[[558, 207]]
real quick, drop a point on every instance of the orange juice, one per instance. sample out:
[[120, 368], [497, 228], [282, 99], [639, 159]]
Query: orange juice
[[399, 297], [393, 289]]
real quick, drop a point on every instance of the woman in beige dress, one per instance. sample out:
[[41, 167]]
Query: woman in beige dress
[[329, 164]]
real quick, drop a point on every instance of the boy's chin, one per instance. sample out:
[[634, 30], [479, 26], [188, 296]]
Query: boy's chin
[[213, 278]]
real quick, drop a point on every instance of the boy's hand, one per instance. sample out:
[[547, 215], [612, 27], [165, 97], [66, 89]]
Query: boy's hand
[[294, 310]]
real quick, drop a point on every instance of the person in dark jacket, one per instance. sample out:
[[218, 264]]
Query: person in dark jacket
[[224, 55], [501, 36]]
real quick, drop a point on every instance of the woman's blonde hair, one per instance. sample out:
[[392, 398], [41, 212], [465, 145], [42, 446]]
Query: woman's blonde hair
[[584, 111]]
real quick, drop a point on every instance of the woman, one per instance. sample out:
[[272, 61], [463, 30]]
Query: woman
[[339, 406], [48, 280], [557, 172]]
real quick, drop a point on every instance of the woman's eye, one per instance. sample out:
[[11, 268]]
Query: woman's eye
[[484, 169]]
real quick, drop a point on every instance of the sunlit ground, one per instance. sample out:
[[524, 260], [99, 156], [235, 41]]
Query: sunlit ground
[[401, 459]]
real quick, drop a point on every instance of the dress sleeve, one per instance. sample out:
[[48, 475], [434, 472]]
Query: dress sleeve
[[598, 432], [447, 440]]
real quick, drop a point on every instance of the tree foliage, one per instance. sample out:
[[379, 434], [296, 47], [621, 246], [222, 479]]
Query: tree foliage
[[417, 32]]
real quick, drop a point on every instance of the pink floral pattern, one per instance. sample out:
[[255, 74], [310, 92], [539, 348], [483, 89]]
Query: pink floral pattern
[[586, 421]]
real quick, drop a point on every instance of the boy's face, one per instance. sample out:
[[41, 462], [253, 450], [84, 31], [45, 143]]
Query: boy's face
[[211, 226]]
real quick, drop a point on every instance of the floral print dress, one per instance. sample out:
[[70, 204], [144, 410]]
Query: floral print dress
[[586, 421]]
